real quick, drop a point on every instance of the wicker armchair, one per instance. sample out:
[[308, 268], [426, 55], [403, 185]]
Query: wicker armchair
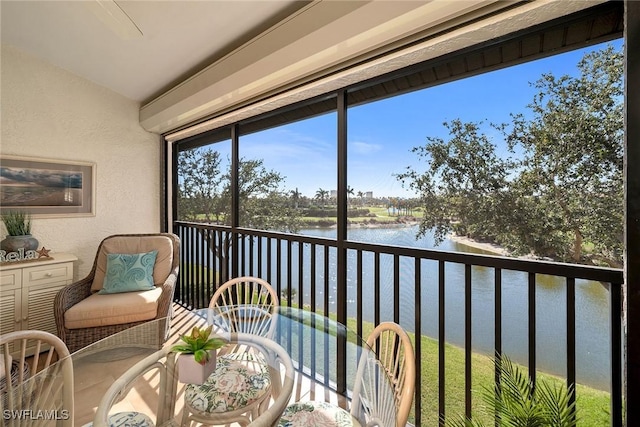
[[80, 330]]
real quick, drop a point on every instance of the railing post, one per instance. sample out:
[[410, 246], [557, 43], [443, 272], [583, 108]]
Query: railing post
[[467, 340], [441, 343], [632, 208], [235, 200], [571, 342], [498, 336], [616, 353], [341, 285], [532, 330]]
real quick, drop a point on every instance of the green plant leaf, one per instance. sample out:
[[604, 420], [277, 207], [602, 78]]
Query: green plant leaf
[[201, 356], [214, 343], [199, 344], [180, 348], [514, 402], [17, 223], [556, 401]]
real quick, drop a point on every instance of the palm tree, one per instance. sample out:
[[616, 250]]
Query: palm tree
[[391, 207], [295, 195], [349, 192], [321, 195], [361, 197]]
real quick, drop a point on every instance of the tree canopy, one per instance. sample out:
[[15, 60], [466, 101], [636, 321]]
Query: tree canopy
[[204, 192], [559, 192]]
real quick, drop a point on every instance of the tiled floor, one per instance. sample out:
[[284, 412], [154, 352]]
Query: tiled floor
[[143, 394]]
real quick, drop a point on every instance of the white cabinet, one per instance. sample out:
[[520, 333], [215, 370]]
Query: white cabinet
[[27, 291]]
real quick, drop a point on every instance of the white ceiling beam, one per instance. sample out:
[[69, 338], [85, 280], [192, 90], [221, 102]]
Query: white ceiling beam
[[319, 37], [259, 78]]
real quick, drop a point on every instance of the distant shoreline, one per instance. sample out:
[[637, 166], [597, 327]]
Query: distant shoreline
[[372, 223], [408, 222], [489, 247]]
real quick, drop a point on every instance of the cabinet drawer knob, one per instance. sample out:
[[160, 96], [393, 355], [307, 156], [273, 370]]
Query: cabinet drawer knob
[[48, 274], [18, 320], [25, 318]]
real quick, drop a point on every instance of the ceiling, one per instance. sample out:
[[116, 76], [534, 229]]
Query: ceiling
[[138, 49], [200, 64]]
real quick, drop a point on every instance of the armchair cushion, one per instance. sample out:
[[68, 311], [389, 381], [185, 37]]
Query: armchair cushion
[[129, 272], [113, 309], [135, 245]]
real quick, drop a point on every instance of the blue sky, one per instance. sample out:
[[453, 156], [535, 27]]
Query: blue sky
[[381, 134]]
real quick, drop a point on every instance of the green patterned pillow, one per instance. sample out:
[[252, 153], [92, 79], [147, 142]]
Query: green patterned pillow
[[129, 272]]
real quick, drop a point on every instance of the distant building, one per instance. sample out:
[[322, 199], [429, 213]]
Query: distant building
[[368, 195], [334, 193]]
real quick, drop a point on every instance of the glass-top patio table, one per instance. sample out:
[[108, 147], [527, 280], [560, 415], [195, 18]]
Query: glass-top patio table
[[326, 357]]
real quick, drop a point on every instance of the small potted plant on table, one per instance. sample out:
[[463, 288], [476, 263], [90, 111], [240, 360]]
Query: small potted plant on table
[[197, 359], [18, 225]]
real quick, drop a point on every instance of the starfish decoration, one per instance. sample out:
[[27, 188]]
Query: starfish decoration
[[43, 253]]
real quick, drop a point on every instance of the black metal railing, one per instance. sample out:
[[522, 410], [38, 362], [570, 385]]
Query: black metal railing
[[383, 282]]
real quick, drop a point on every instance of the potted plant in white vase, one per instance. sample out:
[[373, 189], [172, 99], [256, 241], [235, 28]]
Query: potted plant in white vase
[[18, 225], [197, 359]]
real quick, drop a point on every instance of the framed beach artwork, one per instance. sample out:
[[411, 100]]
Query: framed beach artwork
[[47, 187]]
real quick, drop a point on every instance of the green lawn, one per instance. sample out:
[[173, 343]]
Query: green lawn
[[381, 216]]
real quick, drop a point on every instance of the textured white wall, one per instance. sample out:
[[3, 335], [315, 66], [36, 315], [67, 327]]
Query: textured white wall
[[50, 113]]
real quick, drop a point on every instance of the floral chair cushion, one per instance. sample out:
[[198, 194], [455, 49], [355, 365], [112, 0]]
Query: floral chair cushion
[[240, 379], [128, 419], [321, 414]]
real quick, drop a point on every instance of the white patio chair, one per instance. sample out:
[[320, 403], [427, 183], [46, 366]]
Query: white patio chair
[[376, 402], [38, 376], [248, 305]]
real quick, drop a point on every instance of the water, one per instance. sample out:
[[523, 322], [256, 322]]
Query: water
[[592, 302]]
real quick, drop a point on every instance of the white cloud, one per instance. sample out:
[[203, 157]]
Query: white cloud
[[360, 147], [282, 145]]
